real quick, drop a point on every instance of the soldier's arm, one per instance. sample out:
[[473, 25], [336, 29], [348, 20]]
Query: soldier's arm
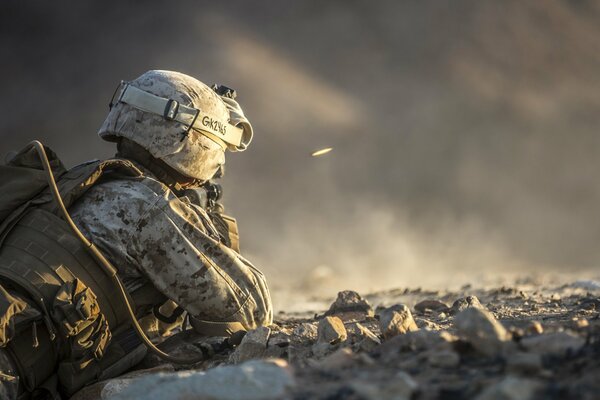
[[208, 279], [143, 228]]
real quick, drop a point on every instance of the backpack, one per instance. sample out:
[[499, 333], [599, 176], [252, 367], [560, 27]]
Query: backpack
[[58, 310]]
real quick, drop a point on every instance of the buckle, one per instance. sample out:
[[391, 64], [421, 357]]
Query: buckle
[[224, 91], [112, 102], [171, 109]]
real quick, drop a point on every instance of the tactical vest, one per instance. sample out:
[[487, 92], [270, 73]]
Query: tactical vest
[[81, 309]]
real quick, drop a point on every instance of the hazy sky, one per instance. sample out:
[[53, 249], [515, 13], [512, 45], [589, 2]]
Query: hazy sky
[[464, 133]]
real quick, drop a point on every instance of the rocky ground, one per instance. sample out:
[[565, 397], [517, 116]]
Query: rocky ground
[[524, 341]]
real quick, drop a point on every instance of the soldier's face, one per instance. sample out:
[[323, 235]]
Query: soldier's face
[[199, 158], [213, 161]]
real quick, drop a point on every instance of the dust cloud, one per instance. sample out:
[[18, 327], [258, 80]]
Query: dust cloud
[[464, 134]]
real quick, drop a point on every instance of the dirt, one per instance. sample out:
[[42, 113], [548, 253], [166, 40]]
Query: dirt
[[546, 345]]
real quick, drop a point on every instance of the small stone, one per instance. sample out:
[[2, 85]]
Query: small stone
[[511, 388], [431, 305], [369, 340], [415, 341], [534, 328], [298, 353], [521, 362], [320, 350], [577, 323], [516, 332], [400, 387], [366, 332], [276, 352], [444, 358], [396, 320], [341, 358], [349, 301], [447, 336], [331, 330], [465, 302], [279, 339], [253, 345], [480, 328], [368, 345], [256, 380], [556, 344], [107, 389], [423, 323], [306, 330]]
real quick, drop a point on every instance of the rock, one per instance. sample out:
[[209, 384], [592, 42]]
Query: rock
[[306, 330], [400, 387], [396, 320], [534, 327], [415, 341], [253, 345], [364, 331], [276, 352], [516, 332], [320, 350], [464, 303], [424, 340], [278, 345], [431, 305], [423, 323], [341, 358], [349, 301], [256, 379], [445, 358], [107, 389], [511, 388], [331, 330], [368, 345], [369, 341], [589, 285], [579, 323], [279, 339], [447, 336], [556, 344], [480, 328], [521, 362]]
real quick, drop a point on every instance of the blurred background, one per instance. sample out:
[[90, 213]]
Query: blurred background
[[464, 133]]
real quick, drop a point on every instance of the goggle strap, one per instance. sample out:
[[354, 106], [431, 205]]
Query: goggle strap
[[217, 130]]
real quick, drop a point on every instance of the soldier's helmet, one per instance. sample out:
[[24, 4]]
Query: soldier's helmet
[[178, 120]]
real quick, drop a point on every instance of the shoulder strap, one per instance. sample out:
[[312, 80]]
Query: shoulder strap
[[78, 180], [32, 188], [23, 178]]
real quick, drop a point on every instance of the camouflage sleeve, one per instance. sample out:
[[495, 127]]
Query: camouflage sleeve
[[144, 227], [209, 280]]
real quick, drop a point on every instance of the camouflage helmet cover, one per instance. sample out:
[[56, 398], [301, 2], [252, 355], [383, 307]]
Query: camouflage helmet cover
[[196, 152]]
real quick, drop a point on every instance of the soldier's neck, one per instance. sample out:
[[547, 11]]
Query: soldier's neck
[[161, 171]]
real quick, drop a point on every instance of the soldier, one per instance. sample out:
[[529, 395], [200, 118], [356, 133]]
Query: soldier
[[171, 132]]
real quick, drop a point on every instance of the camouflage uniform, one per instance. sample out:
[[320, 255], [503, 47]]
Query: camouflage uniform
[[151, 234], [176, 130]]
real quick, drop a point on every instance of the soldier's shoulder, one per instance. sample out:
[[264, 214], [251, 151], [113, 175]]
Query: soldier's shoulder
[[123, 188]]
